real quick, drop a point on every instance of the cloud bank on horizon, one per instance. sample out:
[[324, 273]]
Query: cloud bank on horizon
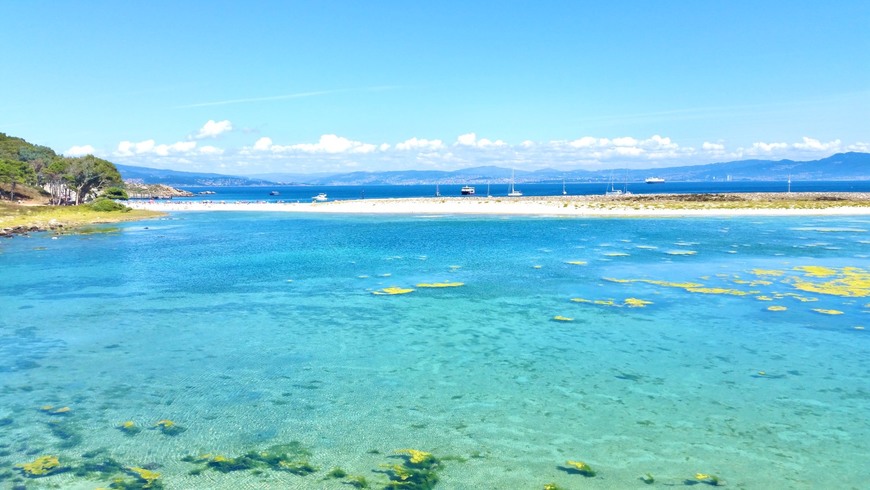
[[334, 153]]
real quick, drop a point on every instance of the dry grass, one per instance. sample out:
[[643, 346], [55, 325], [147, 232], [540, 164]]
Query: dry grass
[[66, 217]]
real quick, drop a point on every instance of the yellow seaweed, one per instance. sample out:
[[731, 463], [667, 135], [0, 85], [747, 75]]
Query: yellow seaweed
[[767, 272], [581, 300], [681, 252], [40, 466], [417, 457], [393, 291], [440, 284], [576, 262], [847, 282], [827, 312], [560, 318], [816, 270], [682, 285], [61, 411], [637, 303], [147, 476], [733, 292], [583, 468], [764, 298], [776, 308]]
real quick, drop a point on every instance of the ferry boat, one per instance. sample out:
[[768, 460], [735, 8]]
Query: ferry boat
[[467, 190], [654, 180]]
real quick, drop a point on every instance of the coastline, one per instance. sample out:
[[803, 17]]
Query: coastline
[[660, 205], [20, 220]]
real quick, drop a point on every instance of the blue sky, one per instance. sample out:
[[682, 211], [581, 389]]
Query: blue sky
[[331, 86]]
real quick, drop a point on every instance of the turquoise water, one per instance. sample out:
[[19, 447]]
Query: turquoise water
[[251, 330]]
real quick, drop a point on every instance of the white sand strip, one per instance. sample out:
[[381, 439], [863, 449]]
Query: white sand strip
[[534, 206]]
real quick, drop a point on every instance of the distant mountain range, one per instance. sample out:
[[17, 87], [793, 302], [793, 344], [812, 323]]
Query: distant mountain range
[[145, 175], [842, 166]]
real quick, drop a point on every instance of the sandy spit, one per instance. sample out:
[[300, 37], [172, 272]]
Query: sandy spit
[[673, 205]]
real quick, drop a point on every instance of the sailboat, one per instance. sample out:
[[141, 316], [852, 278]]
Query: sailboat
[[487, 190], [616, 192], [564, 192], [513, 192], [437, 191]]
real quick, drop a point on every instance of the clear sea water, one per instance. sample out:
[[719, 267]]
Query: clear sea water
[[254, 329]]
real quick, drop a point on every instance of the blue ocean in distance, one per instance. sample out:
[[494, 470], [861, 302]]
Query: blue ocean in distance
[[305, 193], [646, 348]]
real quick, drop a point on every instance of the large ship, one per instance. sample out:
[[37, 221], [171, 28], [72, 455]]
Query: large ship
[[654, 180], [467, 190]]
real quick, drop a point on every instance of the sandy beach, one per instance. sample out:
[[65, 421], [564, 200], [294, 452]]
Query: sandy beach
[[676, 205]]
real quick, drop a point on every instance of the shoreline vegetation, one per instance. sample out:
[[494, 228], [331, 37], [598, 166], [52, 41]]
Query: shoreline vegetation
[[21, 219], [642, 205]]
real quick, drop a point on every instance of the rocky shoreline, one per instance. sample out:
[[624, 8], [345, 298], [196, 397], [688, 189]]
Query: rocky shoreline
[[26, 230], [154, 191]]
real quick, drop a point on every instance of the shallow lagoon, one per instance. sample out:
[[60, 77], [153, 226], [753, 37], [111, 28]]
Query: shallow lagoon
[[255, 330]]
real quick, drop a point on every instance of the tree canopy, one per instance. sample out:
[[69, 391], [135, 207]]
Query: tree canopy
[[67, 179]]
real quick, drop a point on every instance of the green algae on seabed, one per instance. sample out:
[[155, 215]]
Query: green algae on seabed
[[419, 471], [292, 458]]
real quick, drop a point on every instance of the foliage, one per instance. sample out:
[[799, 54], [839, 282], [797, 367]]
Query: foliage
[[68, 180], [103, 204], [115, 193], [14, 172]]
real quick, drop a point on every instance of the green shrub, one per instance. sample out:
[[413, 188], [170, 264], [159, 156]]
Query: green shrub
[[115, 193], [103, 204]]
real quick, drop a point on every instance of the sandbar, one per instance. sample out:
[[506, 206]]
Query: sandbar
[[641, 205]]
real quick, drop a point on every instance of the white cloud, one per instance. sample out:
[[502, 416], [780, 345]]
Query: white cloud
[[213, 129], [211, 150], [713, 147], [762, 147], [263, 144], [624, 141], [585, 142], [859, 146], [420, 144], [467, 139], [180, 147], [657, 142], [470, 139], [129, 148], [329, 143], [812, 144], [77, 151]]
